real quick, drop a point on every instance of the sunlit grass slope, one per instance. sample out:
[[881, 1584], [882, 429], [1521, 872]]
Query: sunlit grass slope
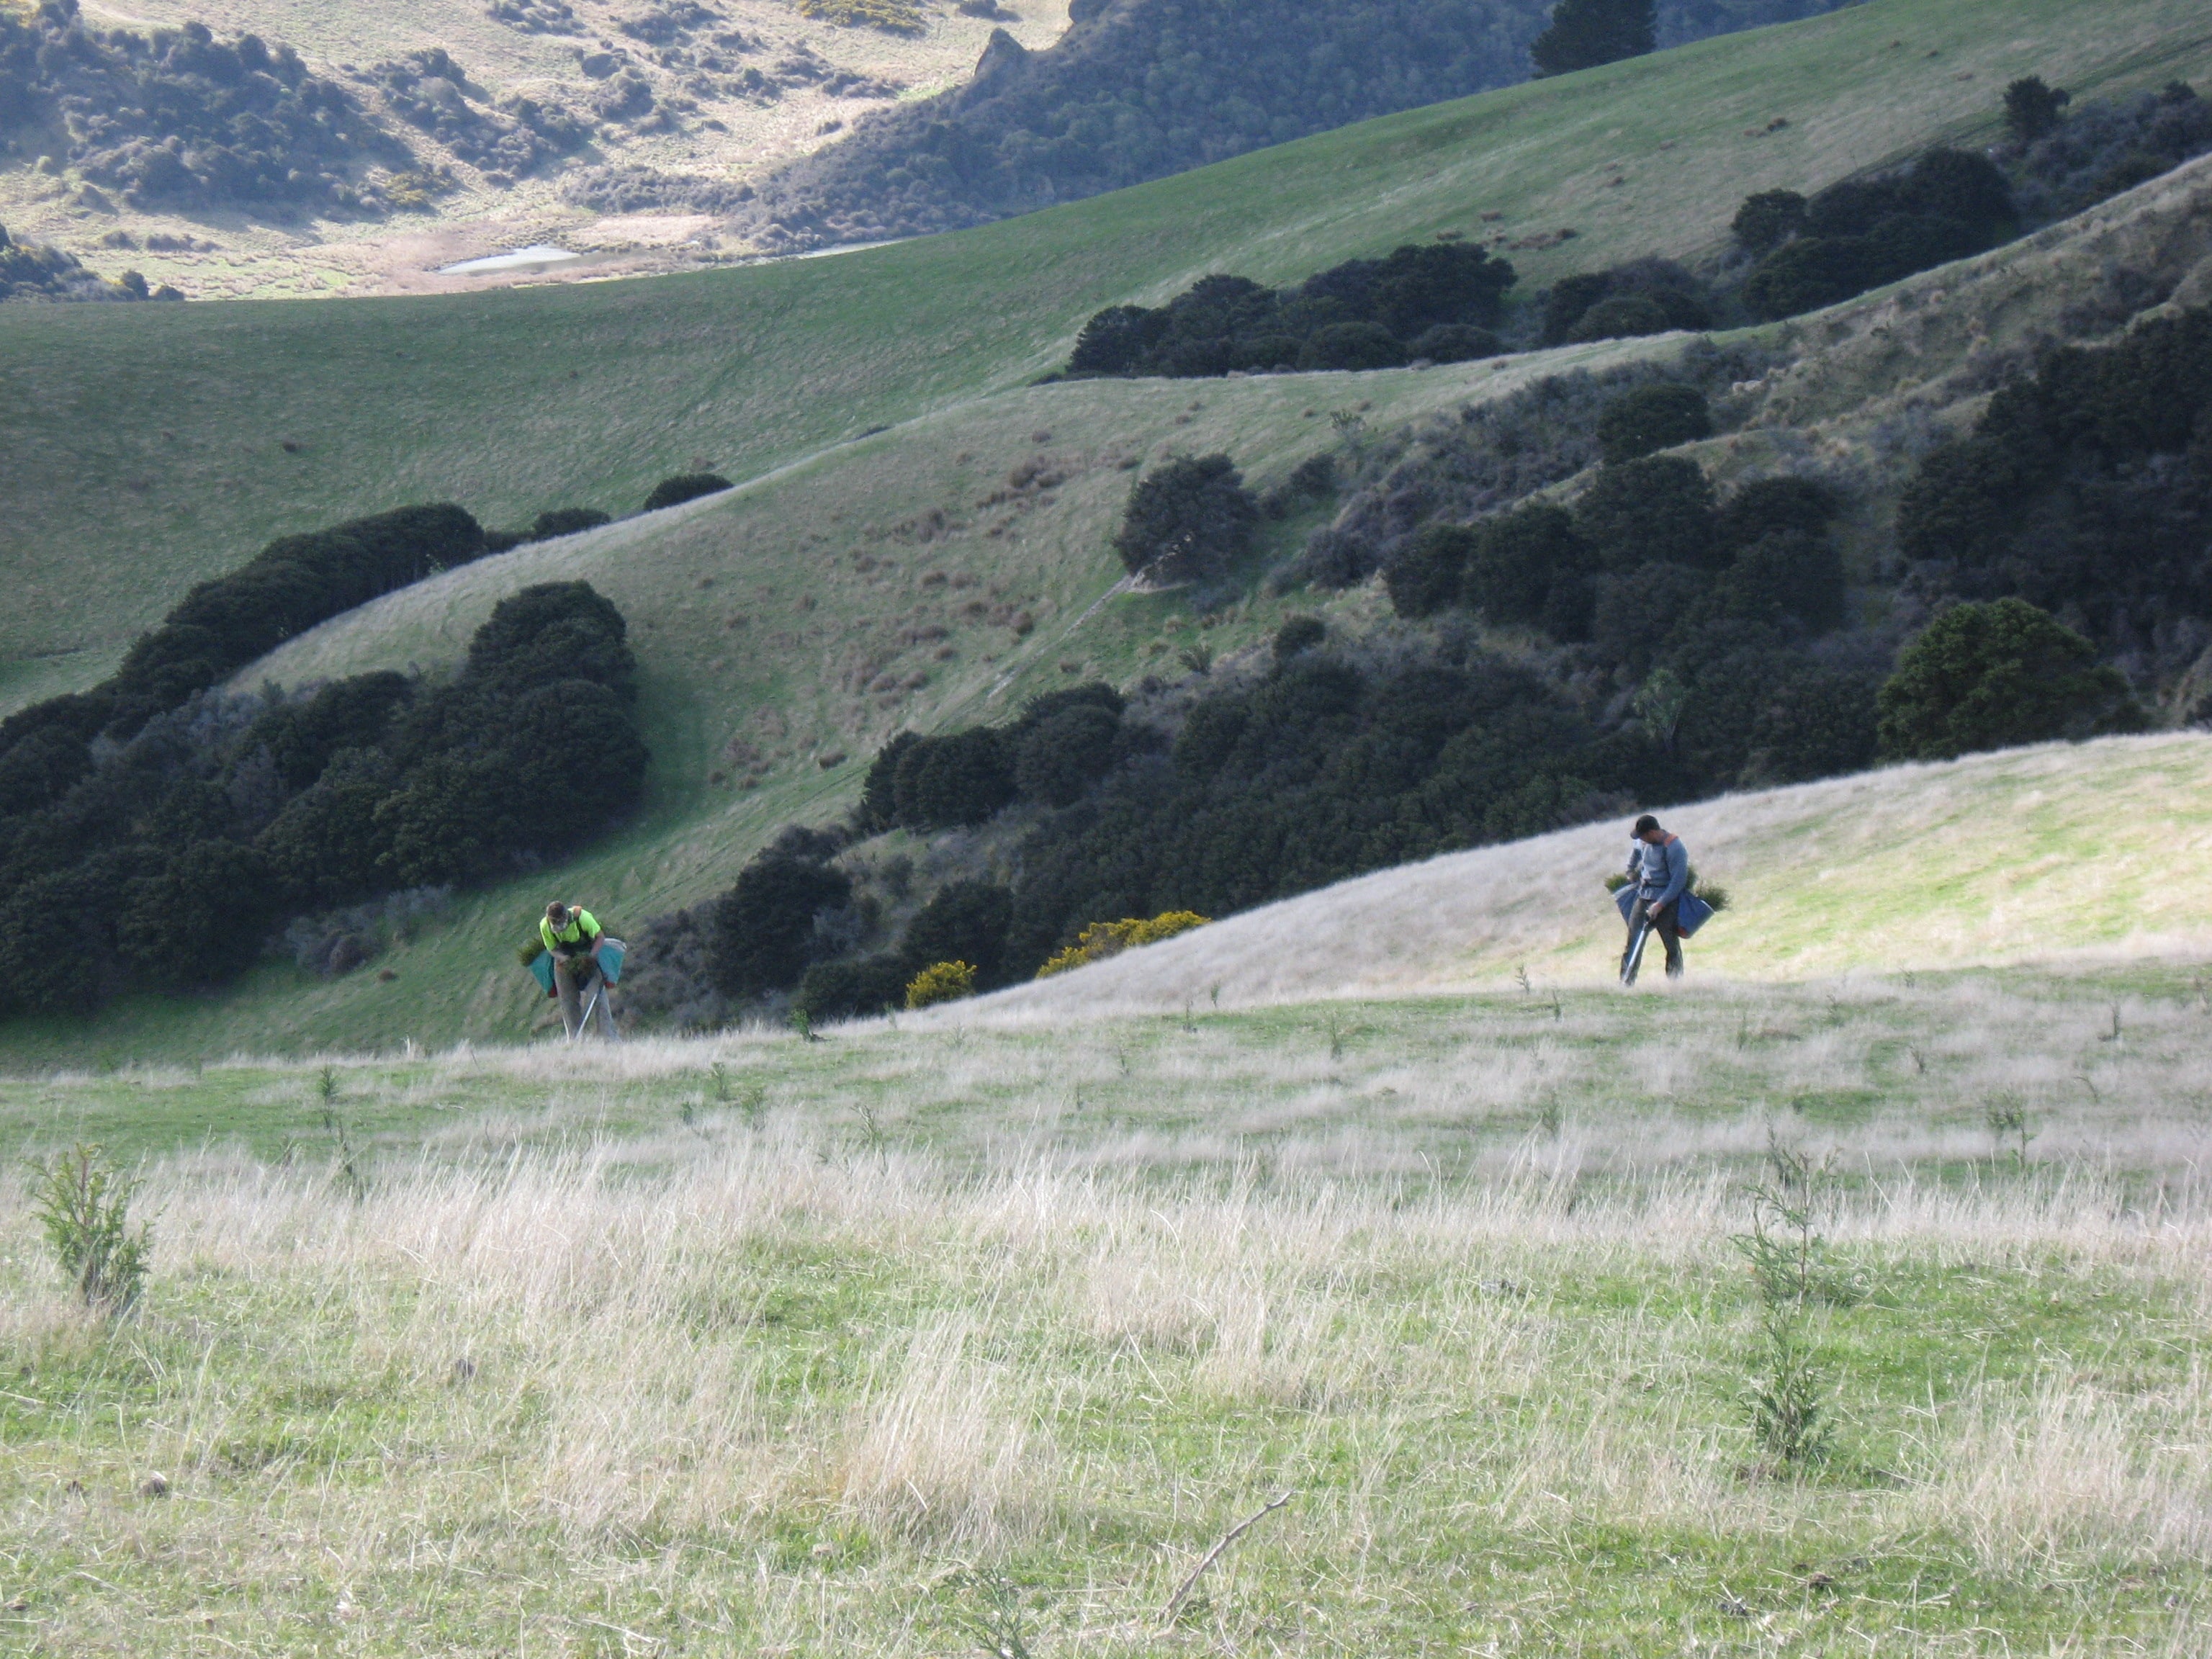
[[2044, 854], [143, 448]]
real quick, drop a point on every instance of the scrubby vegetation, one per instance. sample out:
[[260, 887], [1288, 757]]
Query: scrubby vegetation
[[155, 831], [30, 271], [177, 119], [2085, 489], [429, 90]]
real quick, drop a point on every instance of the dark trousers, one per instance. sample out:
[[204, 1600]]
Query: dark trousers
[[1663, 925]]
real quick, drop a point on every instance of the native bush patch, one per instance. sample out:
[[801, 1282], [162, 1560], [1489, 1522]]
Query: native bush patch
[[166, 856], [1441, 301]]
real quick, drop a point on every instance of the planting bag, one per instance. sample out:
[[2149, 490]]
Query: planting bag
[[611, 965]]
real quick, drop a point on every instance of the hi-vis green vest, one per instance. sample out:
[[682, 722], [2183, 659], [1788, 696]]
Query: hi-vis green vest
[[582, 929]]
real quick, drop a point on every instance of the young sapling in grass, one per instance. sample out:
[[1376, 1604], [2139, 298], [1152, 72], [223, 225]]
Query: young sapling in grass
[[994, 1620], [1788, 1395], [83, 1202], [2008, 1121], [719, 1072]]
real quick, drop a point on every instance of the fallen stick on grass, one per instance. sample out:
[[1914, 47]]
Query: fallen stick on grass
[[1174, 1601]]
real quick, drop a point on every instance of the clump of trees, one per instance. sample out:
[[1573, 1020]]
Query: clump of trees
[[1653, 577], [1995, 674], [1814, 251], [1642, 296], [1584, 34], [164, 854], [291, 585], [684, 487], [2065, 157], [1061, 743], [1466, 463], [2085, 489], [178, 118], [1440, 301]]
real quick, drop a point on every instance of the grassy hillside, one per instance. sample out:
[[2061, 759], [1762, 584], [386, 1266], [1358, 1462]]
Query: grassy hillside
[[725, 125], [168, 424], [787, 627], [2031, 854]]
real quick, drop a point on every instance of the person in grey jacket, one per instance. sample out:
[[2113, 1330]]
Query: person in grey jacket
[[1659, 865]]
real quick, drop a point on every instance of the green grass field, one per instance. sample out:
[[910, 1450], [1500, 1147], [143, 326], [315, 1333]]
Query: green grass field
[[148, 441], [965, 1336]]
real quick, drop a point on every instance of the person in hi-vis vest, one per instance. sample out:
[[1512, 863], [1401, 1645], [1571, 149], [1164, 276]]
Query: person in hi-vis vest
[[574, 936]]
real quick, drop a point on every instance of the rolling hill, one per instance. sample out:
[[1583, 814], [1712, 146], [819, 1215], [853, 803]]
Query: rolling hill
[[2049, 854], [160, 435], [782, 628]]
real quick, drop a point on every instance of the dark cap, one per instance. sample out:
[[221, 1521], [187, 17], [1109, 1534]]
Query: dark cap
[[1647, 822]]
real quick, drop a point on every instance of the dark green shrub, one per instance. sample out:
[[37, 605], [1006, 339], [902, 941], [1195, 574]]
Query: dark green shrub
[[1351, 346], [1568, 298], [1529, 567], [855, 989], [300, 738], [1813, 722], [684, 487], [1768, 219], [294, 583], [550, 632], [1188, 520], [1298, 633], [878, 810], [966, 921], [1062, 755], [1426, 576], [1785, 575], [1115, 342], [1767, 505], [1993, 675], [202, 919], [1809, 273], [1584, 34], [943, 783], [1457, 342], [1656, 510], [1634, 613], [2032, 108], [567, 521], [1621, 316], [761, 932], [1436, 285], [1652, 417]]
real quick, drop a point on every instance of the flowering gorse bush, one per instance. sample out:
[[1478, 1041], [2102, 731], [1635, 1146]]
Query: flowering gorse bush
[[1102, 939]]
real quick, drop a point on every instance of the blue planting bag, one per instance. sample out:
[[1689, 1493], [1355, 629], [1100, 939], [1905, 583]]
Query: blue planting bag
[[611, 965], [1691, 911]]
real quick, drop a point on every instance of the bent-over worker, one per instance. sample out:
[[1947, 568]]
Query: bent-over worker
[[573, 937], [1659, 865]]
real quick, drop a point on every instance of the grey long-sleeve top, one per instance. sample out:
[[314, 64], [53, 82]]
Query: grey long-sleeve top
[[1660, 872]]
